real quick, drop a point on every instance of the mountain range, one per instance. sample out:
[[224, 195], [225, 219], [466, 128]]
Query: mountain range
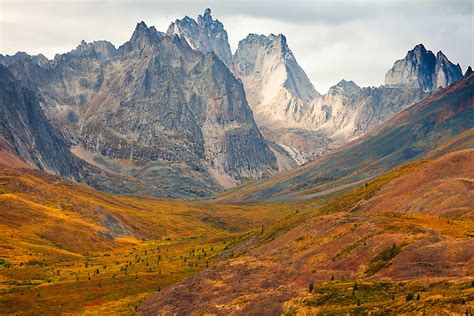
[[176, 114], [356, 201]]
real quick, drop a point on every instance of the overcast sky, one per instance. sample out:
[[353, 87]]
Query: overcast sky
[[332, 40]]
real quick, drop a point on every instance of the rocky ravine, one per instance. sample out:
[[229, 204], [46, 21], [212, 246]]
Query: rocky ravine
[[170, 120]]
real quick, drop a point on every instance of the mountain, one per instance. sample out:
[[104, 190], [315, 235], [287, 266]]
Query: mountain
[[277, 89], [298, 122], [422, 69], [407, 233], [26, 137], [406, 137], [154, 116], [206, 35], [22, 56], [293, 115]]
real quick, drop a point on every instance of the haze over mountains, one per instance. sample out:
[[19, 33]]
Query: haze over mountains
[[175, 114]]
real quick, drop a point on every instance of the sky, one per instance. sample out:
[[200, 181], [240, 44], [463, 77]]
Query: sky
[[355, 40]]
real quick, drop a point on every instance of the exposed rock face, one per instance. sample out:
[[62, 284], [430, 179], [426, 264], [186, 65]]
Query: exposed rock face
[[173, 121], [468, 71], [27, 132], [423, 70], [206, 35], [407, 136], [277, 89], [344, 113], [22, 56]]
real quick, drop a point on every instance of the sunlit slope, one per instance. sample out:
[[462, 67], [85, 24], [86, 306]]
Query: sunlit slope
[[69, 248], [406, 137], [406, 233]]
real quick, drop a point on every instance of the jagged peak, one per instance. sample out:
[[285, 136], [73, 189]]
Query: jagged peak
[[468, 71], [420, 47], [142, 31], [207, 15], [206, 19], [345, 87], [141, 26], [270, 42], [441, 56]]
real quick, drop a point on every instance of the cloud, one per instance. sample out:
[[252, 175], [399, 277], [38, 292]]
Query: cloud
[[357, 40]]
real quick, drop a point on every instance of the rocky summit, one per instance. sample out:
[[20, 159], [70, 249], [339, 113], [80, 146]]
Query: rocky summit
[[206, 35], [155, 116], [277, 88], [423, 70]]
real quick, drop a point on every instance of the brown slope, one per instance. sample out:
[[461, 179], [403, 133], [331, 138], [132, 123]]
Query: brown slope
[[349, 240], [444, 186], [56, 235], [8, 158]]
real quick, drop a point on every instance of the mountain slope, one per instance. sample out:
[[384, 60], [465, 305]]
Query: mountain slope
[[154, 116], [363, 251], [26, 133], [277, 89], [406, 137]]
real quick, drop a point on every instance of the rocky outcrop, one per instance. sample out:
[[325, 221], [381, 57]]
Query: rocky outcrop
[[421, 69], [171, 120], [206, 35], [27, 133], [277, 89]]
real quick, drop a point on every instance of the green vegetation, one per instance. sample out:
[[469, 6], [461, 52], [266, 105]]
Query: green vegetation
[[5, 263], [386, 298], [382, 260]]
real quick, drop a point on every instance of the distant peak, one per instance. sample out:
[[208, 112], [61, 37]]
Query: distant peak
[[345, 87], [420, 47], [468, 71], [143, 31], [441, 56], [141, 26], [206, 16]]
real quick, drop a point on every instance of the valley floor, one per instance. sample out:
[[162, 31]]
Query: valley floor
[[399, 243]]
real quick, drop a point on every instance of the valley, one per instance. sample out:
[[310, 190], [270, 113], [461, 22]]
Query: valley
[[69, 248], [171, 175]]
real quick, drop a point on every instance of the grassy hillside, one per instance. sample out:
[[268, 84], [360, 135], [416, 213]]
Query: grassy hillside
[[406, 137], [401, 243], [68, 248]]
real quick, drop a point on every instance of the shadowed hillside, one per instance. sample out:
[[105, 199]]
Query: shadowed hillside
[[406, 137]]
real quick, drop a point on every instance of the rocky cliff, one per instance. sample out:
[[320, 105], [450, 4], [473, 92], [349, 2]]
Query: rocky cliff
[[421, 69], [170, 119], [26, 133], [277, 88], [206, 35]]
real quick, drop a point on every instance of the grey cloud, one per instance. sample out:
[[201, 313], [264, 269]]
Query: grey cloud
[[356, 39]]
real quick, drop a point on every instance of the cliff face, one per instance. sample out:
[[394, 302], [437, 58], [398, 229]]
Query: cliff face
[[172, 120], [205, 34], [423, 70], [278, 90], [26, 133]]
